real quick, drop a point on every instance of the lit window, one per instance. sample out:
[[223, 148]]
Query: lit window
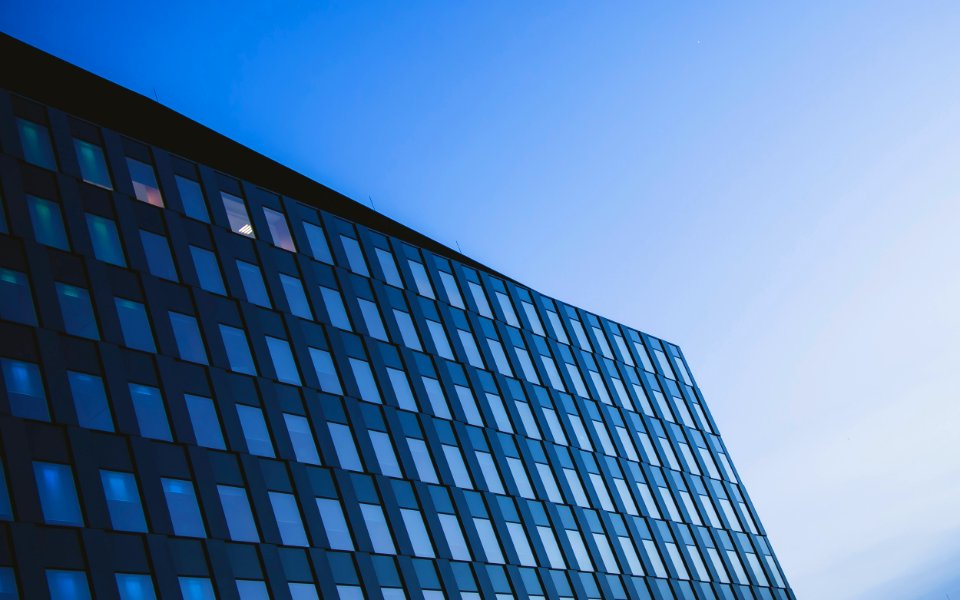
[[191, 196], [421, 278], [371, 317], [318, 243], [16, 301], [389, 267], [196, 588], [238, 350], [326, 371], [77, 311], [301, 438], [279, 231], [283, 363], [123, 501], [93, 165], [287, 513], [159, 259], [334, 524], [134, 586], [255, 430], [206, 423], [25, 389], [186, 332], [37, 149], [47, 223], [208, 270], [150, 411], [58, 496], [253, 285], [296, 297], [236, 508], [237, 214], [68, 585], [335, 309], [365, 381], [184, 510], [355, 258], [345, 447], [105, 240], [144, 182], [90, 401], [250, 589], [378, 529], [135, 325]]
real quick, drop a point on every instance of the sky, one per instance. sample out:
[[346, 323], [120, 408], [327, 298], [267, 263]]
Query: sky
[[775, 187]]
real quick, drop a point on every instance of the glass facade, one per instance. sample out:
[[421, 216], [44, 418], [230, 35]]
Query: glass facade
[[321, 410]]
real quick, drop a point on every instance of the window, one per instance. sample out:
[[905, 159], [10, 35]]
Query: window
[[318, 243], [238, 350], [417, 531], [450, 287], [6, 511], [296, 297], [401, 389], [371, 317], [255, 430], [407, 331], [191, 196], [184, 510], [253, 285], [208, 270], [422, 460], [159, 259], [421, 278], [206, 423], [196, 588], [279, 231], [490, 473], [144, 179], [365, 381], [389, 267], [345, 447], [105, 240], [488, 539], [150, 411], [77, 311], [300, 591], [335, 309], [301, 438], [450, 524], [439, 337], [93, 165], [186, 332], [334, 524], [520, 543], [123, 501], [378, 529], [483, 307], [90, 401], [16, 301], [47, 223], [354, 256], [35, 139], [237, 215], [438, 401], [461, 478], [134, 586], [283, 362], [135, 325], [507, 308], [249, 589], [68, 585], [236, 508], [58, 496], [326, 371], [532, 316], [25, 389], [287, 513], [383, 448]]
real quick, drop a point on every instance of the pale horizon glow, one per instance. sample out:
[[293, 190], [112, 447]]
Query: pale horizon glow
[[775, 188]]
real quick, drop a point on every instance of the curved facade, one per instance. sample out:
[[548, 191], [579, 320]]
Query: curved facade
[[217, 387]]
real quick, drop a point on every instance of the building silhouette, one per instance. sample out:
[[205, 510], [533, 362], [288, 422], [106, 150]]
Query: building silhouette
[[221, 379]]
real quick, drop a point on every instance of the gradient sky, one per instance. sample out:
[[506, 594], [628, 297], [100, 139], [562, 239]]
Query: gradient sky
[[773, 186]]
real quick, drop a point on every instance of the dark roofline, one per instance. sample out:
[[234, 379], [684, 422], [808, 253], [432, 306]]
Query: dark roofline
[[49, 80]]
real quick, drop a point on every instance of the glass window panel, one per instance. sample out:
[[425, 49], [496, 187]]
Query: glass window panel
[[196, 588], [159, 259], [438, 401], [519, 540], [334, 524], [208, 270], [191, 196], [287, 512], [383, 448], [184, 510], [417, 531], [378, 529], [283, 361], [355, 258], [533, 317], [296, 297], [253, 285], [371, 316], [35, 140], [301, 438], [490, 473], [279, 230], [549, 483], [579, 550], [134, 586], [554, 556], [365, 380], [237, 215], [422, 460], [469, 405], [123, 501], [249, 589], [105, 240], [150, 411], [450, 525], [407, 331], [439, 337], [520, 477], [90, 401], [303, 591], [77, 311], [16, 301], [488, 540], [458, 468], [238, 350], [145, 186], [481, 299], [135, 325], [47, 223], [421, 279], [336, 312], [58, 495], [349, 592], [93, 165], [255, 430], [507, 308], [186, 332], [499, 413], [326, 371], [470, 348], [451, 288], [25, 389], [389, 267], [318, 243], [236, 508], [345, 447], [401, 389], [205, 421], [68, 585]]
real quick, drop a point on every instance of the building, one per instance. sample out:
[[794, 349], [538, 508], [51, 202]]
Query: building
[[223, 380]]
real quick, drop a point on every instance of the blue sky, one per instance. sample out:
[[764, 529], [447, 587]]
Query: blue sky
[[774, 186]]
